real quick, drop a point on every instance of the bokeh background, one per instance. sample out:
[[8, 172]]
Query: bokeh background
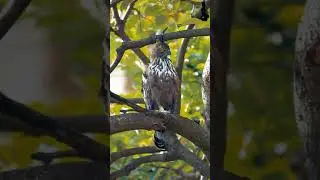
[[51, 61]]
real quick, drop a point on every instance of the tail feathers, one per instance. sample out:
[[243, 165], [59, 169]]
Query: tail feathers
[[158, 140]]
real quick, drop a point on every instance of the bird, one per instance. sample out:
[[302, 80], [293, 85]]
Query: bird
[[160, 84]]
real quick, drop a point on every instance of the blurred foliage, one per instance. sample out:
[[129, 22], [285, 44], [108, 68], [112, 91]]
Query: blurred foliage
[[262, 52]]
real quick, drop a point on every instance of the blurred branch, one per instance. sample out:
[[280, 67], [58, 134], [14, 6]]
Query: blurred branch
[[182, 175], [47, 158], [129, 152], [84, 145], [137, 162], [84, 171], [220, 62], [10, 14]]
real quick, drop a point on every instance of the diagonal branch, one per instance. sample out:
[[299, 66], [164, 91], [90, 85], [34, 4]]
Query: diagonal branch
[[127, 102], [84, 145], [114, 2], [10, 14], [129, 9]]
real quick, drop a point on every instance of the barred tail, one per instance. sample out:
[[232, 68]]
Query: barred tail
[[158, 139]]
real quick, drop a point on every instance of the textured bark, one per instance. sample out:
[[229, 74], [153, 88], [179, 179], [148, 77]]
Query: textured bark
[[307, 86], [205, 89]]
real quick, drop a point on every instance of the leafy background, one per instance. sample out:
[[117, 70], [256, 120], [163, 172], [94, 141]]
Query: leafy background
[[262, 135]]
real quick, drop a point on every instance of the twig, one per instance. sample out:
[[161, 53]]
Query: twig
[[129, 152], [117, 61], [129, 9], [167, 36], [116, 15], [10, 14], [120, 32], [137, 162], [133, 100], [180, 61], [127, 102], [84, 145], [181, 53]]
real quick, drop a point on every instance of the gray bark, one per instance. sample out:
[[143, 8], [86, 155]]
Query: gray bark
[[205, 89], [307, 86]]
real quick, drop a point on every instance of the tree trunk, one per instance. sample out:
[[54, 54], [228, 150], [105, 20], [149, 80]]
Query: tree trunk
[[307, 86]]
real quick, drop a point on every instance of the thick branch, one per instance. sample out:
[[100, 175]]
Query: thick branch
[[121, 123], [84, 145], [11, 13], [84, 171]]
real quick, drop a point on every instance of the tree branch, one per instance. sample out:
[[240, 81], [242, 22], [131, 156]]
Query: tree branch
[[129, 10], [10, 14], [84, 171], [180, 61], [47, 158], [114, 2], [167, 36], [133, 100], [129, 152], [137, 162], [181, 53], [84, 145], [127, 102]]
